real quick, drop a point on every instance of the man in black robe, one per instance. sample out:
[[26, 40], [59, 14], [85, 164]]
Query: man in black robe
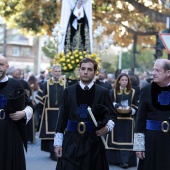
[[15, 111], [49, 97], [30, 128], [81, 146], [152, 135], [17, 74]]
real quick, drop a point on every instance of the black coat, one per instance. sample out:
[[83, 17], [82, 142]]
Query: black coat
[[83, 151], [51, 98], [157, 148], [106, 84], [12, 133]]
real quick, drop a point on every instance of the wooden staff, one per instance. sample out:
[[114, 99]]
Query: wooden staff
[[96, 124]]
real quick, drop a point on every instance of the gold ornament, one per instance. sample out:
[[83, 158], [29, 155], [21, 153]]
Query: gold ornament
[[61, 82], [51, 81], [123, 90]]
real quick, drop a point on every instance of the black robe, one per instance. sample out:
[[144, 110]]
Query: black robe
[[157, 143], [83, 151], [106, 84], [120, 140], [50, 97], [12, 133], [30, 124]]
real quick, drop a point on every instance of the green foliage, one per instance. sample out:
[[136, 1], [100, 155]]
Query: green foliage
[[144, 60], [127, 60], [33, 17], [108, 66], [8, 8], [124, 17], [49, 50], [30, 20]]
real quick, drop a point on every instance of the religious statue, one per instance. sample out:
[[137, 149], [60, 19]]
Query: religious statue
[[76, 22]]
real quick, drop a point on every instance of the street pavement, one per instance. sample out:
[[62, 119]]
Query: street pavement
[[39, 160]]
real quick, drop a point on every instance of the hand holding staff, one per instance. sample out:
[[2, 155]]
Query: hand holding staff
[[96, 124]]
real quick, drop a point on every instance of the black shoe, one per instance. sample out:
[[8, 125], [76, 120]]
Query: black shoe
[[124, 165], [53, 157]]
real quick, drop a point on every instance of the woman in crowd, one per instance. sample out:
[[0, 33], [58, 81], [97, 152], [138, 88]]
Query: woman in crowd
[[32, 125], [120, 140]]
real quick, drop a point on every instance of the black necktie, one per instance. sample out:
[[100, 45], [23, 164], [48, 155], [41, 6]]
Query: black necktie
[[86, 88]]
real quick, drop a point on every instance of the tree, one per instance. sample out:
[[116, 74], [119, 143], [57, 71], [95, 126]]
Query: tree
[[33, 17], [124, 17], [129, 17]]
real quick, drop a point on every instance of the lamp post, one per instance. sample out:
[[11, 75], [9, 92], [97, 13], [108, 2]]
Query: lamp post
[[134, 52], [120, 59]]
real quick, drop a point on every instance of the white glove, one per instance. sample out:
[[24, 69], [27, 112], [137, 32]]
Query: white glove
[[133, 111], [110, 125]]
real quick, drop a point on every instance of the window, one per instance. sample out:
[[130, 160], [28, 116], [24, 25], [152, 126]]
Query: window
[[15, 51], [25, 51]]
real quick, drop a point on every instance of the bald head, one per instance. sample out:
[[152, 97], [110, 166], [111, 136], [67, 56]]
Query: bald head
[[3, 67], [2, 58]]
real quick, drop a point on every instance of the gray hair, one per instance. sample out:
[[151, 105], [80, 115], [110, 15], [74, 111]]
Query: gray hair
[[165, 62], [167, 65], [56, 66], [103, 70], [110, 75]]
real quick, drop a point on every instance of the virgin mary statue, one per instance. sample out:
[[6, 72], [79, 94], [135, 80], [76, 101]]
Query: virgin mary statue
[[76, 22]]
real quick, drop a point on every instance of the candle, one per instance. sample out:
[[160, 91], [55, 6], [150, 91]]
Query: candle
[[96, 124]]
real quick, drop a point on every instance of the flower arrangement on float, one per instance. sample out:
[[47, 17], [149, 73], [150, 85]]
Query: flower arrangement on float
[[70, 62]]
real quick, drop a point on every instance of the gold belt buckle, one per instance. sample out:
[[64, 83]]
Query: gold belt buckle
[[2, 117], [162, 126], [79, 126]]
